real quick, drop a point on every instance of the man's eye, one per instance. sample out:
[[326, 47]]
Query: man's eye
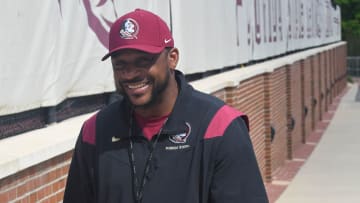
[[119, 66], [144, 62]]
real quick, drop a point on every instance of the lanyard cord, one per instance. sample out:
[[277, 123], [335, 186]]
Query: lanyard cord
[[139, 189]]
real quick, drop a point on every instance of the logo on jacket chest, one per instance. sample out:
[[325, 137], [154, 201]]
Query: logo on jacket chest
[[181, 137]]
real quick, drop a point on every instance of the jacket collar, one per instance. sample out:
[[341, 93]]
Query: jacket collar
[[177, 120]]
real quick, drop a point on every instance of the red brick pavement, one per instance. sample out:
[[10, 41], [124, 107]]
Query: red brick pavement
[[283, 176]]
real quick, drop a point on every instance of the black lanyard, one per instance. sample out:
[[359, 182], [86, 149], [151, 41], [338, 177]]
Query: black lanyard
[[139, 188]]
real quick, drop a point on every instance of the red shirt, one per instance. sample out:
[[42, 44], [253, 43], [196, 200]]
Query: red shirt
[[150, 126]]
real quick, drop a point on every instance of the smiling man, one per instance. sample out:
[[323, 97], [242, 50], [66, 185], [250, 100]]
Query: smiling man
[[163, 141], [144, 79]]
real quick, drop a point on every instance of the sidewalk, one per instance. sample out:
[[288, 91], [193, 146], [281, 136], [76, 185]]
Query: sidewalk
[[332, 172]]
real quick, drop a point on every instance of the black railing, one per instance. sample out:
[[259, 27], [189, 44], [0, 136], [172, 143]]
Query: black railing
[[353, 65]]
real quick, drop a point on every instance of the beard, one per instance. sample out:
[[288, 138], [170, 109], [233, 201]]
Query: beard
[[156, 95]]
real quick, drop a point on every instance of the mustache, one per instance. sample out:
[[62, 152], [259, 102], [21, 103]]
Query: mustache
[[133, 80]]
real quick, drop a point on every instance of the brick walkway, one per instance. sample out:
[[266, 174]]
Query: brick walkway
[[283, 176]]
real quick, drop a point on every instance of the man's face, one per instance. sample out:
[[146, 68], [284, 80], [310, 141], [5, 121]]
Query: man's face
[[141, 77]]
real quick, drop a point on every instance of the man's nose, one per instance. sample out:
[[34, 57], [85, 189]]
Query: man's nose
[[132, 72]]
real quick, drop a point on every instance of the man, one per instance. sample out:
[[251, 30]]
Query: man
[[164, 142]]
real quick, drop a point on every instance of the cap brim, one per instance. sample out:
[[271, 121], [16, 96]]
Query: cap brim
[[144, 48]]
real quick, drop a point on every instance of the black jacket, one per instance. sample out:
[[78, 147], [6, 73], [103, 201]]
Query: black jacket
[[204, 154]]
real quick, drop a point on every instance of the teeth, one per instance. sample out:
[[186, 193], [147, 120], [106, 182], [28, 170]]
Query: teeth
[[137, 85]]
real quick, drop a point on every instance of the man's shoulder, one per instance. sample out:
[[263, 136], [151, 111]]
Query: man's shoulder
[[222, 109], [207, 100], [222, 119], [104, 116], [111, 108]]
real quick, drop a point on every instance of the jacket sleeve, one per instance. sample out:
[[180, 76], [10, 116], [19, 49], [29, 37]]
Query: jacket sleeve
[[80, 186], [236, 175]]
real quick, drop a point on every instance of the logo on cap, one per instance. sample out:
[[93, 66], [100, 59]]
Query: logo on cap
[[129, 29]]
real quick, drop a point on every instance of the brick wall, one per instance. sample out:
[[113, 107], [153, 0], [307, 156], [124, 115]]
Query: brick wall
[[41, 183], [248, 97], [332, 73], [338, 70], [343, 65], [221, 94], [322, 74], [325, 79], [274, 99], [341, 68], [328, 77], [307, 96], [295, 108], [315, 90], [278, 117]]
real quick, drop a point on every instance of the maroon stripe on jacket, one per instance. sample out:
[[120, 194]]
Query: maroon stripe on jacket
[[222, 119], [89, 130]]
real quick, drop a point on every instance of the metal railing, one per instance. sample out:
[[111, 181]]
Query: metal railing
[[353, 65]]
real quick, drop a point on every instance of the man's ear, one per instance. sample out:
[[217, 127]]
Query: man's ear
[[173, 58]]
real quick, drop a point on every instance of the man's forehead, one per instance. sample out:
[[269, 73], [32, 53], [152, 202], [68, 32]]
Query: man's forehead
[[133, 53]]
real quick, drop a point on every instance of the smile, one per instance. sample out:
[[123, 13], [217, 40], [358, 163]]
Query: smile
[[138, 85]]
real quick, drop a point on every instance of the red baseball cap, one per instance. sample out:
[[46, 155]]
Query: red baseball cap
[[140, 30]]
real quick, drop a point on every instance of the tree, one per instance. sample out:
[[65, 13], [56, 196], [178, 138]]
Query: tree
[[350, 24], [350, 14]]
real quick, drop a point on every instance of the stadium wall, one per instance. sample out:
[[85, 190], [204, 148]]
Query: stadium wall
[[284, 98], [50, 50]]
